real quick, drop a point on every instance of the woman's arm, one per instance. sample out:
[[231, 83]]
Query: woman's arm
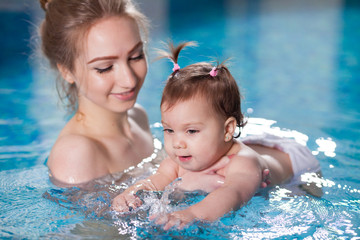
[[210, 179]]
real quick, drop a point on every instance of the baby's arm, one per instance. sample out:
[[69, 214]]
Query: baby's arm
[[166, 173], [243, 176]]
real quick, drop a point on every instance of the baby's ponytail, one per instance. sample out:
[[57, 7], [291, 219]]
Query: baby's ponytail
[[174, 52]]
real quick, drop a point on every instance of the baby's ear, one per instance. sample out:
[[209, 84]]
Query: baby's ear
[[66, 74], [230, 127]]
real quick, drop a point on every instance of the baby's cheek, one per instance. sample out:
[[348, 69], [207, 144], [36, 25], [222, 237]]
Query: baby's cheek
[[168, 150]]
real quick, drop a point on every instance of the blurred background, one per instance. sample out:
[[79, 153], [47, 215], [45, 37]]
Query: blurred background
[[297, 62]]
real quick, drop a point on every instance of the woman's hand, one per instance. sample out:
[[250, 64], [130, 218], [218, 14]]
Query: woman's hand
[[265, 178], [206, 180], [211, 179]]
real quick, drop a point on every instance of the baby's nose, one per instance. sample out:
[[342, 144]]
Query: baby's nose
[[179, 144]]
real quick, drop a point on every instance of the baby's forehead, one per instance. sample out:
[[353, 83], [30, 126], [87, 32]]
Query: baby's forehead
[[169, 104], [195, 105]]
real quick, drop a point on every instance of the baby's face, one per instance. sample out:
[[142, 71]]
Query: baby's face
[[194, 135]]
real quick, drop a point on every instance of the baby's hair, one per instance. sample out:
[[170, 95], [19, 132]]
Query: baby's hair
[[220, 90], [174, 51], [66, 24]]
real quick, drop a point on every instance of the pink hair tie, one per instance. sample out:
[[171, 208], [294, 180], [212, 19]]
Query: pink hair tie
[[176, 67], [213, 72]]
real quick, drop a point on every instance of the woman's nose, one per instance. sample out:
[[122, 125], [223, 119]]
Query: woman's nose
[[126, 78]]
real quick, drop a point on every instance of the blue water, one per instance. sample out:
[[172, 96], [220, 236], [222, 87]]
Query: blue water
[[297, 63]]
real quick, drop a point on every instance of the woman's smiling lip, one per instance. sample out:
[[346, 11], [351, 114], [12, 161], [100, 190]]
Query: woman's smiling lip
[[125, 96]]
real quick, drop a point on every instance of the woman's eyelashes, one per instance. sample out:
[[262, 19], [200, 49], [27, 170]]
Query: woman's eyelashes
[[103, 70], [109, 68], [138, 57]]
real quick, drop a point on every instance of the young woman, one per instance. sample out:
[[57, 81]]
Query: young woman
[[98, 48]]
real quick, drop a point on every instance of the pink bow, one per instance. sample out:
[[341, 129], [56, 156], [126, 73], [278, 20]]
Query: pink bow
[[176, 67], [213, 72]]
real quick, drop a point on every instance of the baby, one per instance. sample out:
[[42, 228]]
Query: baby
[[200, 111]]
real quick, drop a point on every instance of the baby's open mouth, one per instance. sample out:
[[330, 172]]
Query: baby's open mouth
[[185, 158]]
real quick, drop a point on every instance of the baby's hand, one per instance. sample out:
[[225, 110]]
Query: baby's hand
[[179, 219], [126, 201]]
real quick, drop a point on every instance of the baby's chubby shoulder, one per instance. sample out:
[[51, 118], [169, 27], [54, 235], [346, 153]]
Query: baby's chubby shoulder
[[244, 156], [240, 151]]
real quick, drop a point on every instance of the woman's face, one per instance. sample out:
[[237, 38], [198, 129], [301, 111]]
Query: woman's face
[[112, 67]]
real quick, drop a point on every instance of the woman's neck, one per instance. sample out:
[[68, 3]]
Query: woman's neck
[[100, 121]]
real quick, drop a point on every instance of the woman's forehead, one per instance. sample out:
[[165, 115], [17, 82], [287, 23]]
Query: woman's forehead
[[111, 36]]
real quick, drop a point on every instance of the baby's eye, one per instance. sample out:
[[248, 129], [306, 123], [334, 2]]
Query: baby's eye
[[192, 131], [102, 70], [168, 130]]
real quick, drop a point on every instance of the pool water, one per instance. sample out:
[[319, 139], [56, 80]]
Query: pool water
[[298, 66]]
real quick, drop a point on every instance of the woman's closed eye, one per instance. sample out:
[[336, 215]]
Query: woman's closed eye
[[138, 57], [103, 70]]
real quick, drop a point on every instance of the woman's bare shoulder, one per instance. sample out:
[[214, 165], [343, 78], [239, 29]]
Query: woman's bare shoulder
[[73, 159]]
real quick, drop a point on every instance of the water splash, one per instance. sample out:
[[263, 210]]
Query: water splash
[[327, 146]]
